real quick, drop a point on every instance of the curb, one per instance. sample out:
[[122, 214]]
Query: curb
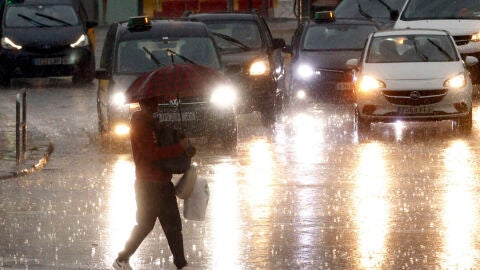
[[40, 164]]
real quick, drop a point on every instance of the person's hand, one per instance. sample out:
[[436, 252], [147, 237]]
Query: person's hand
[[185, 143]]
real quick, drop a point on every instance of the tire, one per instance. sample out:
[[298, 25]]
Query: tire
[[465, 123], [362, 126], [86, 74], [5, 81], [229, 139]]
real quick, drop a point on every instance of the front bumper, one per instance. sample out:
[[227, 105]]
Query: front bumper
[[423, 105], [62, 62], [255, 92], [316, 90]]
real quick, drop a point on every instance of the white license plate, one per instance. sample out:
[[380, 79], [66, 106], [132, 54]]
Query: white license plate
[[414, 110], [344, 86], [49, 61], [175, 117]]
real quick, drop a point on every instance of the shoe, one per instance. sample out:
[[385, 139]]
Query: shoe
[[121, 265]]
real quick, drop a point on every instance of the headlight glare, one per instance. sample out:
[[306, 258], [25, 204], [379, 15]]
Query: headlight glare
[[476, 37], [305, 71], [82, 41], [368, 83], [457, 81], [119, 99], [9, 44], [259, 67], [223, 96]]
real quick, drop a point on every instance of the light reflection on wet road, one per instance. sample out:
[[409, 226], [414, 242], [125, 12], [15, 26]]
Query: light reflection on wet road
[[309, 195]]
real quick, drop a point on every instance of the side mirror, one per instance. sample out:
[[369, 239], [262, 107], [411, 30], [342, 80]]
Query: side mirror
[[91, 24], [352, 63], [278, 43], [471, 61], [102, 74], [394, 14]]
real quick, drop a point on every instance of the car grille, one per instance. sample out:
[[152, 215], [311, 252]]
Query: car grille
[[334, 75], [462, 40], [414, 97], [46, 48]]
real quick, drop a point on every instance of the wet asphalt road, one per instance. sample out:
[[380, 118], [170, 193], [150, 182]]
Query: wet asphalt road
[[307, 195]]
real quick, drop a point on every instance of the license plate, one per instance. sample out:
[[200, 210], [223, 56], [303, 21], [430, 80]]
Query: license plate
[[49, 61], [175, 117], [414, 110], [344, 86]]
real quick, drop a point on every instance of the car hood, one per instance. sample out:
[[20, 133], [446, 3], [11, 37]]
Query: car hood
[[454, 27], [242, 58], [327, 59], [38, 37], [413, 71]]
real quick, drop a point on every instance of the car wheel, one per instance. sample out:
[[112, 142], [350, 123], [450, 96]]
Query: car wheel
[[4, 81], [465, 123], [86, 74], [362, 125], [229, 139]]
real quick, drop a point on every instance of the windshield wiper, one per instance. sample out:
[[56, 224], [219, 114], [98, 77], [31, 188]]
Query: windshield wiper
[[362, 12], [53, 19], [153, 57], [232, 40], [35, 22], [420, 53], [185, 59], [385, 5], [442, 50]]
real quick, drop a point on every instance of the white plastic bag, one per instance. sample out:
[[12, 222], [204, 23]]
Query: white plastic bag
[[185, 185], [195, 205]]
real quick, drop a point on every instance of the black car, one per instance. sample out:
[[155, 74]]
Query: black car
[[43, 38], [141, 45], [320, 49], [253, 58]]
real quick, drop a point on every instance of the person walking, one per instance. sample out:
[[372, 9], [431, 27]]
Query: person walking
[[154, 190]]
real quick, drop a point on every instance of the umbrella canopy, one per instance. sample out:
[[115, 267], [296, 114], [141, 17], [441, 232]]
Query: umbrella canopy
[[174, 81]]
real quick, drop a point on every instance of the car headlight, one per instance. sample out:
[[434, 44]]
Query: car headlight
[[223, 96], [9, 44], [368, 83], [476, 37], [457, 81], [305, 71], [82, 41], [118, 99], [259, 67]]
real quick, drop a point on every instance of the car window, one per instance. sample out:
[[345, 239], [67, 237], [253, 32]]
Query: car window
[[336, 37], [441, 9], [139, 56], [411, 48], [247, 32], [365, 8], [40, 16]]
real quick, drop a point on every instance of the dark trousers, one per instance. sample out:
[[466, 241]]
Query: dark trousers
[[155, 200]]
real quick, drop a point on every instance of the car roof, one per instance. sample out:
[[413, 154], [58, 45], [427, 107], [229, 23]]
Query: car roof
[[247, 16], [45, 2], [410, 32], [342, 22], [165, 28]]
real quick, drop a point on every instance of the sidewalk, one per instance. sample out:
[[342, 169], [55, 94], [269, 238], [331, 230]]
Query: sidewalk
[[38, 150]]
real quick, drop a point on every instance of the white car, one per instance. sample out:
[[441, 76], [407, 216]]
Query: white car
[[412, 75], [460, 18]]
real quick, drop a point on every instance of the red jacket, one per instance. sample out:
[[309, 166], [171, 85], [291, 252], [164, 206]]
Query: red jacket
[[146, 151]]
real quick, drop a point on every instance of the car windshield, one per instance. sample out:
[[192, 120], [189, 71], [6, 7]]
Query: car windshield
[[441, 9], [336, 37], [411, 48], [367, 8], [236, 35], [40, 16], [140, 56]]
